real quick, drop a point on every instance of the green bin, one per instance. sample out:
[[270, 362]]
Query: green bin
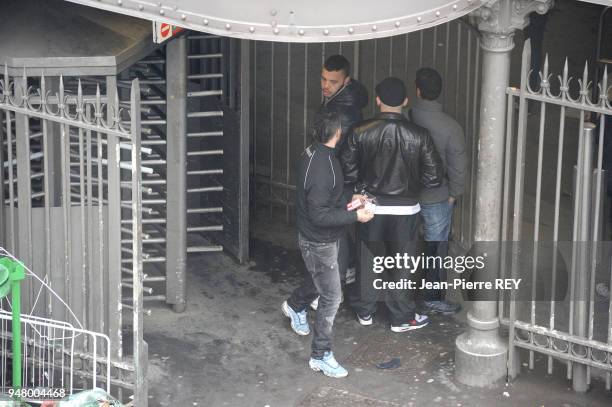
[[11, 274]]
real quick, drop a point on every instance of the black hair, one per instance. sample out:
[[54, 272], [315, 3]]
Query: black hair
[[338, 63], [326, 125], [429, 82]]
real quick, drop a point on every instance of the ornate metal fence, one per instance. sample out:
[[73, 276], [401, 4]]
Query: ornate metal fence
[[71, 195], [555, 218]]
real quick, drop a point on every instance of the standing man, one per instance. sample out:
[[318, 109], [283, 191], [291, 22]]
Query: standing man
[[341, 94], [321, 219], [392, 159], [346, 97], [437, 204]]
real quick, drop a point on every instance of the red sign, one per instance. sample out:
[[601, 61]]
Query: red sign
[[164, 31]]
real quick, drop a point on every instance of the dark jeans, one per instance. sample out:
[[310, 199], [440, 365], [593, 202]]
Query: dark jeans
[[346, 253], [322, 280], [437, 218], [386, 235]]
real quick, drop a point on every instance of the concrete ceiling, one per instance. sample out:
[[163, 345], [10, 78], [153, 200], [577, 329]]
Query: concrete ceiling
[[55, 37]]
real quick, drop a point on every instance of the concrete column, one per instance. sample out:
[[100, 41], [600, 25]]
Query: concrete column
[[176, 184], [481, 355]]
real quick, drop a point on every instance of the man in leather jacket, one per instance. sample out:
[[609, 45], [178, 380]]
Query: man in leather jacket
[[342, 94], [392, 159], [345, 97]]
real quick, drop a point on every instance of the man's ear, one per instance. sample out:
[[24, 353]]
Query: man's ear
[[405, 102], [347, 79], [378, 102], [418, 92]]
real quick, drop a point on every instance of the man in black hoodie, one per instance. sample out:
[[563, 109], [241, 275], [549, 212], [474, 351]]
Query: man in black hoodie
[[321, 218], [344, 96]]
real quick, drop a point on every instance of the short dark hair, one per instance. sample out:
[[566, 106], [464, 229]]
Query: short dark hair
[[429, 82], [338, 63], [327, 124]]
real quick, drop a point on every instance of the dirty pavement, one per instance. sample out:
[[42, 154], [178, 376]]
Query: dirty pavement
[[233, 347]]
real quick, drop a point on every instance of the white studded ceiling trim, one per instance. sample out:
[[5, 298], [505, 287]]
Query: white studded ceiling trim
[[295, 21]]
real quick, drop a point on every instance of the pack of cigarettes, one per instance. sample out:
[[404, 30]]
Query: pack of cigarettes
[[357, 204], [354, 205]]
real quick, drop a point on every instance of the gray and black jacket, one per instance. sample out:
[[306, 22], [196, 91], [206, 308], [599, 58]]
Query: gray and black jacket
[[321, 207]]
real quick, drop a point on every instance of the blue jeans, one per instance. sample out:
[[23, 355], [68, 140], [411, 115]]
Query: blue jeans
[[437, 218], [323, 281]]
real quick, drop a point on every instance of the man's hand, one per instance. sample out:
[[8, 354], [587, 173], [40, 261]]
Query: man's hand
[[452, 200], [364, 215], [362, 198]]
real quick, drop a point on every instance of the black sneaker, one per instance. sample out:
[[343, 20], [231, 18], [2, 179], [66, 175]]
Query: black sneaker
[[442, 307], [419, 321]]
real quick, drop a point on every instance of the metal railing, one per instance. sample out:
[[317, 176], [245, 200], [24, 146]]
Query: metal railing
[[67, 189], [554, 228]]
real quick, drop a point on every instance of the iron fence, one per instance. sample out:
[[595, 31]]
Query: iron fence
[[555, 224], [71, 194]]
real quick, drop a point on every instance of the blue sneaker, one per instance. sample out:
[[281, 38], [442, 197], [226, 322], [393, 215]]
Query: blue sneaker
[[299, 323], [328, 365], [442, 307]]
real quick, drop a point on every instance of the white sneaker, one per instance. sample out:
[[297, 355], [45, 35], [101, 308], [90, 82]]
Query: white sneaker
[[418, 322], [350, 276], [314, 304], [365, 320]]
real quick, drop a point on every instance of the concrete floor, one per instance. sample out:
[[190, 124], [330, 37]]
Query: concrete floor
[[233, 347]]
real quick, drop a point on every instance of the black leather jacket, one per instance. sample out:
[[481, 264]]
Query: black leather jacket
[[392, 159], [347, 102]]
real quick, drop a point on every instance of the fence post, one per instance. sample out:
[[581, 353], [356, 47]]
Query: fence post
[[584, 170], [113, 308], [140, 347], [176, 185]]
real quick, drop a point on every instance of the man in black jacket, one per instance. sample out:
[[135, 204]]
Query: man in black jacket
[[344, 96], [341, 94], [321, 218], [391, 159]]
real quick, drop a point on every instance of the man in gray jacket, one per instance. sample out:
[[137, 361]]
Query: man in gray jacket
[[437, 203]]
